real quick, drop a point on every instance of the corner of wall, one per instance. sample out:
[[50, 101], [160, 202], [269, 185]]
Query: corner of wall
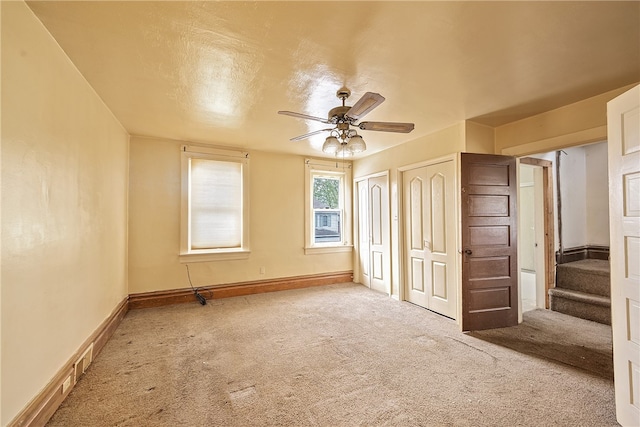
[[479, 138]]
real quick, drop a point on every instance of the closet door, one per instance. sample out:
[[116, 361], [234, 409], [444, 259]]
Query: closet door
[[430, 242], [373, 233], [363, 231], [379, 253], [415, 218], [441, 242]]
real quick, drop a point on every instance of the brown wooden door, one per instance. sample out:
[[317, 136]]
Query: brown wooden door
[[489, 258]]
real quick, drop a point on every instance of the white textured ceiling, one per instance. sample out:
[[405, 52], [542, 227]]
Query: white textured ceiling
[[218, 72]]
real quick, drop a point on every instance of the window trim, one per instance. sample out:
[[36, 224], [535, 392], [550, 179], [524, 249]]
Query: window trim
[[331, 168], [211, 153]]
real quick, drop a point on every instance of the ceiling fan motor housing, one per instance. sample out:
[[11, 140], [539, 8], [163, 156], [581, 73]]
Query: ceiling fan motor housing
[[337, 114]]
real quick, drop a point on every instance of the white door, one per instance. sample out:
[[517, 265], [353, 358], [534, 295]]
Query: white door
[[363, 231], [623, 121], [430, 241], [415, 204], [373, 233], [379, 232]]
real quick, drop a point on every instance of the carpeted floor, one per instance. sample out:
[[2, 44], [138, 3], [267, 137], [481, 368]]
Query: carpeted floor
[[543, 333], [339, 355]]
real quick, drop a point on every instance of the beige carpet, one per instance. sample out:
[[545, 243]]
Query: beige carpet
[[544, 333], [338, 355]]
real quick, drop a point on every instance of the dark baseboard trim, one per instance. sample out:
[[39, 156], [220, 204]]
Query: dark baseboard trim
[[178, 296], [44, 405], [583, 252]]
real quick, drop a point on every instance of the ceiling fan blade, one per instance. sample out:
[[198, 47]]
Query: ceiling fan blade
[[387, 126], [307, 135], [368, 102], [304, 116]]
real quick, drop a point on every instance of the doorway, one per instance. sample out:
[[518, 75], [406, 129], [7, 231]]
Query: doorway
[[569, 188], [536, 231]]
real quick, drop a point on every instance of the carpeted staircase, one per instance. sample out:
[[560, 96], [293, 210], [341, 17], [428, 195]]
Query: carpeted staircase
[[583, 289]]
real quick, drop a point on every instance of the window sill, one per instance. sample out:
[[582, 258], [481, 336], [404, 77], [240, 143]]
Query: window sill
[[327, 249], [214, 256]]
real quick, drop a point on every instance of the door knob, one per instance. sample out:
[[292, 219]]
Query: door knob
[[468, 251]]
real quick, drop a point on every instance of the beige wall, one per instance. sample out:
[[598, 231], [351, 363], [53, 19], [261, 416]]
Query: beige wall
[[276, 223], [479, 138], [575, 124], [64, 209], [437, 144], [443, 143]]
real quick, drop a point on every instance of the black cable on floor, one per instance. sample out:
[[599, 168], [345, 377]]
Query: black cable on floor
[[202, 300]]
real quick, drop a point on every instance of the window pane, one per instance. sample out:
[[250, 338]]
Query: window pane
[[326, 193], [328, 225], [216, 204]]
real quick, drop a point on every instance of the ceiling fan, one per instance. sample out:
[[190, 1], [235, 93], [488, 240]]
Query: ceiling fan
[[344, 140]]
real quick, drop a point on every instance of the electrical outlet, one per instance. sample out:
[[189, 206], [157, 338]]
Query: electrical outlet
[[83, 362], [262, 270], [66, 384]]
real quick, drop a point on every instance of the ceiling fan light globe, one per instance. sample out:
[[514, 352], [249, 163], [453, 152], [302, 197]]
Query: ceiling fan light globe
[[356, 144], [331, 145]]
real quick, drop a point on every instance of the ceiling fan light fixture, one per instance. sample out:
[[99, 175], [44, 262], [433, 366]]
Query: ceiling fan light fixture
[[331, 145], [343, 140], [344, 151], [356, 144]]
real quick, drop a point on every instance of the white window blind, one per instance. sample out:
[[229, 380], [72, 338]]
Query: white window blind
[[215, 204]]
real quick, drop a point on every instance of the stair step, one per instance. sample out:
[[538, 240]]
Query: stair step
[[590, 276], [581, 296], [587, 306], [595, 266]]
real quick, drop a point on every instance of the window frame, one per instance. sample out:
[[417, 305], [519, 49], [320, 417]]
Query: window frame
[[332, 169], [187, 254]]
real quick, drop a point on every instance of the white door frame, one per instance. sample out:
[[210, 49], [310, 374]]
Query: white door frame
[[545, 233]]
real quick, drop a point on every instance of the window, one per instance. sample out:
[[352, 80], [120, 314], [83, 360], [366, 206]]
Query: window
[[215, 195], [326, 209], [328, 206]]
